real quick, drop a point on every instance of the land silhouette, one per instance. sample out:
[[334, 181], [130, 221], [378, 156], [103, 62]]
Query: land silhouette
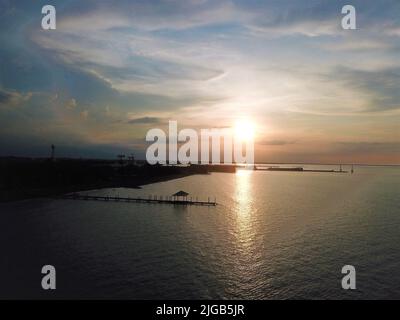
[[22, 178]]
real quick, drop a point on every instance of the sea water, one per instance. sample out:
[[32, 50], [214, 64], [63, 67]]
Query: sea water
[[273, 235]]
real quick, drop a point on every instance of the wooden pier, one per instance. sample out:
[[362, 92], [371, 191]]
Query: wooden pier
[[155, 199]]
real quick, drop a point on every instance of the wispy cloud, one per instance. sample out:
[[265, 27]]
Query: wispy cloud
[[146, 120], [381, 87], [12, 98], [382, 149], [276, 142]]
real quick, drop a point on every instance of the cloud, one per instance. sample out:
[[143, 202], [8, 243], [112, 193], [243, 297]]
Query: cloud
[[340, 90], [151, 15], [381, 87], [291, 18], [144, 48], [146, 120], [322, 18], [358, 44], [129, 61], [71, 104], [368, 147], [12, 98], [308, 28], [285, 17], [276, 142]]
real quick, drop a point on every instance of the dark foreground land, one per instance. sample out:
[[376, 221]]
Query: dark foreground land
[[23, 178]]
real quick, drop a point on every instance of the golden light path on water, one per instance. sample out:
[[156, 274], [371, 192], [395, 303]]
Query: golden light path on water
[[243, 208], [248, 250]]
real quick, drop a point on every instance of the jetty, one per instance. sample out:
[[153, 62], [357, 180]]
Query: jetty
[[174, 199], [298, 169]]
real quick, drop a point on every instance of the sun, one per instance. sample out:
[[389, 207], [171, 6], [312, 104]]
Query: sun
[[244, 130]]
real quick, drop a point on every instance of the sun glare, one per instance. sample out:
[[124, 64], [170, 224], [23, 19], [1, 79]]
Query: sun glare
[[244, 130]]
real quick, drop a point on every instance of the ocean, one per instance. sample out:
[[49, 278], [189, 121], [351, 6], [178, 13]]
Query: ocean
[[273, 235]]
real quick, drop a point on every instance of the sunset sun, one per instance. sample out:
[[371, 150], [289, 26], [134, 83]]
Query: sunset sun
[[244, 130]]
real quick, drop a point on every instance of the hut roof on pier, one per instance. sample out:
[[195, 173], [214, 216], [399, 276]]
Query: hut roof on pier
[[180, 194]]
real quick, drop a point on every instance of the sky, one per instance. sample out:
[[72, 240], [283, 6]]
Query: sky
[[112, 70]]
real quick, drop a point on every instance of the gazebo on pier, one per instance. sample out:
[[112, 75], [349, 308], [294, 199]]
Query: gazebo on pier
[[180, 196]]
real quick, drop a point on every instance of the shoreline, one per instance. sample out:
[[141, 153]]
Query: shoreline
[[28, 179], [8, 196]]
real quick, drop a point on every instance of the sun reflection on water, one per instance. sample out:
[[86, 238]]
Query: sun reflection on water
[[244, 202]]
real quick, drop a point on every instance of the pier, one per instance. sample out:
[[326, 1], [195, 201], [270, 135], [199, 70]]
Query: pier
[[155, 200]]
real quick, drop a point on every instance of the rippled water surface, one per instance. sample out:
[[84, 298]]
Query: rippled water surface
[[273, 235]]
